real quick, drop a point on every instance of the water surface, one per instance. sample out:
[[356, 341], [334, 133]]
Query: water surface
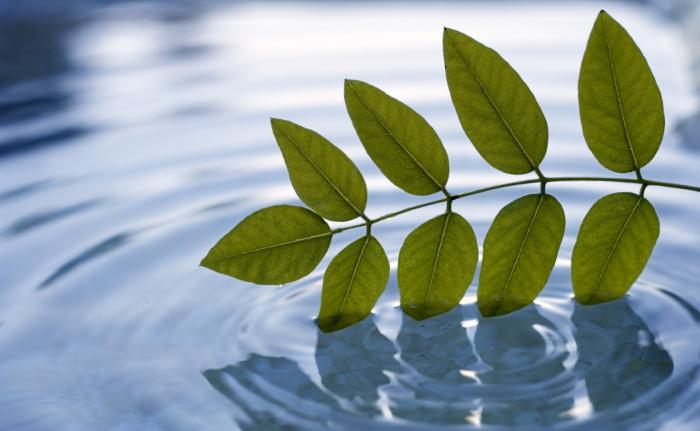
[[142, 137]]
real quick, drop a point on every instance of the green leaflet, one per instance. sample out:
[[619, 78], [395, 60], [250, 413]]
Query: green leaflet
[[519, 253], [623, 123], [399, 141], [496, 108], [620, 104], [273, 245], [436, 264], [613, 246], [322, 175], [352, 284]]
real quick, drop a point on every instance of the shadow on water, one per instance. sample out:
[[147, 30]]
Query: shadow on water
[[435, 351], [523, 351], [455, 352], [619, 359], [352, 363], [275, 394], [272, 393], [516, 372]]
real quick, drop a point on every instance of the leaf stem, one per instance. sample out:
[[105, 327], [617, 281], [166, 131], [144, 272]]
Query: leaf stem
[[445, 192], [542, 181], [449, 198], [539, 173]]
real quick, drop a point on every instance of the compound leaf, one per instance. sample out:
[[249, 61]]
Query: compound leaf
[[519, 253], [400, 142], [353, 282], [620, 104], [497, 110], [613, 246], [436, 264], [322, 175], [273, 245]]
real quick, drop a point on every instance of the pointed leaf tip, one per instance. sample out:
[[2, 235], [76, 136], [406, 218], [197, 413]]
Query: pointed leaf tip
[[398, 140], [353, 282], [620, 104], [274, 245], [349, 82], [322, 175], [520, 250], [437, 262], [613, 246], [496, 109]]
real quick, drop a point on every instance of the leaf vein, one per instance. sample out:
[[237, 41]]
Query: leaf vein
[[615, 244], [380, 121], [268, 247], [354, 273], [323, 174], [522, 246], [437, 257], [493, 104], [619, 100]]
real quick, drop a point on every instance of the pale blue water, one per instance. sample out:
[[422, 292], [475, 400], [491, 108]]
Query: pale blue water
[[133, 136]]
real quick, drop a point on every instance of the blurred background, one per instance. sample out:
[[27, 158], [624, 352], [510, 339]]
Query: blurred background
[[133, 134]]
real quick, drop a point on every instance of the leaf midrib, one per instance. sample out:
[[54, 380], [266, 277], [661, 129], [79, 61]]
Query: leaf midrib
[[437, 258], [323, 175], [354, 273], [628, 140], [522, 246], [614, 246], [395, 139], [493, 104], [268, 247]]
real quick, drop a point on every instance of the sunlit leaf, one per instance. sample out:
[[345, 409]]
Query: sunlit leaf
[[613, 246], [436, 264], [352, 284], [273, 245], [400, 142], [519, 253], [620, 104], [497, 110], [623, 123], [322, 175]]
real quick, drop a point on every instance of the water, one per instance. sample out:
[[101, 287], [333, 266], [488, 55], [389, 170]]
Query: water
[[140, 135]]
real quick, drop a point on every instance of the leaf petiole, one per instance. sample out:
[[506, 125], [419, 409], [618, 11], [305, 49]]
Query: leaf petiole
[[542, 181]]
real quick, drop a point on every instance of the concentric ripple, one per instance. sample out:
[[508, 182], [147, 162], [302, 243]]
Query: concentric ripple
[[553, 364]]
